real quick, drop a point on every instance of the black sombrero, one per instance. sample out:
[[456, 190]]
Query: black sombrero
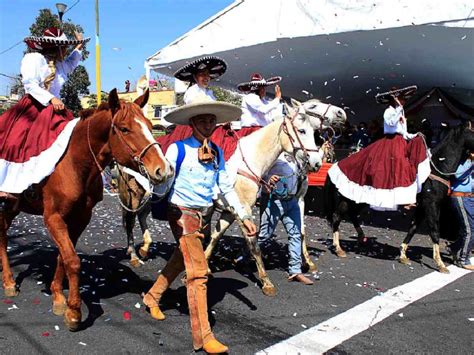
[[256, 81], [216, 66], [406, 93]]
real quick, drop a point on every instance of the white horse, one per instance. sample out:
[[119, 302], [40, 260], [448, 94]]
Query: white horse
[[257, 153]]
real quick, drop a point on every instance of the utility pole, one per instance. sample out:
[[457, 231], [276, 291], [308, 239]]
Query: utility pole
[[97, 54]]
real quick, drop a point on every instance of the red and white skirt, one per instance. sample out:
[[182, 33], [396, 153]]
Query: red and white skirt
[[388, 173], [32, 140]]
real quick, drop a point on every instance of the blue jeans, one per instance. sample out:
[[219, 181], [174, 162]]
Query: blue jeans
[[288, 211], [464, 207]]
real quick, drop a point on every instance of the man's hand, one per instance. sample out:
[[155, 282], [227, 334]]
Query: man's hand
[[57, 104], [250, 226], [274, 179]]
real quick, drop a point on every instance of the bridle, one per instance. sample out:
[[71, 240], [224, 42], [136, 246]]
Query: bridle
[[135, 157], [284, 127]]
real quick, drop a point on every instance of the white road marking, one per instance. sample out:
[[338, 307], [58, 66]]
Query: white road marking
[[334, 331]]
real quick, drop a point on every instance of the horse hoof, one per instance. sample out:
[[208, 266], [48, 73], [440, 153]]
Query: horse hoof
[[72, 322], [10, 292], [341, 253], [269, 291], [405, 261], [313, 268], [59, 309], [444, 270], [143, 253], [135, 262]]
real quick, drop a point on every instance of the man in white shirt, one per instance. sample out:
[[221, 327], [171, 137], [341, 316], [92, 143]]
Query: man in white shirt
[[257, 110]]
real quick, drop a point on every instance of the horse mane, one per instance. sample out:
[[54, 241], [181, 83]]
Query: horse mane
[[451, 137], [85, 113]]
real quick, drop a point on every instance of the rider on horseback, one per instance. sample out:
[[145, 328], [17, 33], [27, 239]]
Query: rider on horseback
[[35, 132]]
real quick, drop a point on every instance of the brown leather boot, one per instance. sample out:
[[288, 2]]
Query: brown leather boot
[[213, 346], [300, 278], [172, 269]]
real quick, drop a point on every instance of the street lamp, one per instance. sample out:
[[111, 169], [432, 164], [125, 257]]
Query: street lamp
[[61, 9]]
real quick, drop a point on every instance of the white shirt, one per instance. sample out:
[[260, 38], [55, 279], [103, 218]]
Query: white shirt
[[392, 123], [285, 166], [258, 112], [195, 183], [196, 91], [34, 70]]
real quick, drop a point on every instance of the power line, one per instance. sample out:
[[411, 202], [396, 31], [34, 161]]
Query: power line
[[6, 50], [16, 44]]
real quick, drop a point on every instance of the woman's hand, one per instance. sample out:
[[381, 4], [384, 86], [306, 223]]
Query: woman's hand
[[273, 179], [79, 36], [57, 104], [277, 92]]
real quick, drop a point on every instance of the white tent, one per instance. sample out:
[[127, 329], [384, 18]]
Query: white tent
[[340, 51]]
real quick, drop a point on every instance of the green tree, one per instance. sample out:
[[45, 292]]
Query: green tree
[[78, 81], [92, 102], [226, 95]]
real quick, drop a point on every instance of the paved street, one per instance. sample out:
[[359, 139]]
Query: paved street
[[442, 321]]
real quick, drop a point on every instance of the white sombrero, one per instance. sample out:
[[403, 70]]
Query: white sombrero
[[223, 111], [257, 81], [216, 66], [406, 93], [52, 37]]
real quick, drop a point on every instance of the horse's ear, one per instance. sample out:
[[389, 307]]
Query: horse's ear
[[295, 103], [114, 101], [142, 100]]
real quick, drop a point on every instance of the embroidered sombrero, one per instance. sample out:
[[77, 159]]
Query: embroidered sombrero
[[203, 105], [385, 97], [256, 81], [216, 66], [52, 37]]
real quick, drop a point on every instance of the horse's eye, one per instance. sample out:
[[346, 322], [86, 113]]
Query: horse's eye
[[302, 131], [124, 130]]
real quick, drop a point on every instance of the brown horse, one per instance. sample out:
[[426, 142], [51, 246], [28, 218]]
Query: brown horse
[[116, 130]]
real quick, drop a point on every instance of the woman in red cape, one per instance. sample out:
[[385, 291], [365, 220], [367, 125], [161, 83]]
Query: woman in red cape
[[35, 132], [390, 171]]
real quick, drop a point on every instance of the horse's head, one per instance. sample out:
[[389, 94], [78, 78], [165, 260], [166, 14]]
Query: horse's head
[[131, 141], [299, 140], [323, 115]]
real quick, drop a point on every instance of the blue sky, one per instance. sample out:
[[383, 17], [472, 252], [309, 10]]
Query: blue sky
[[130, 31]]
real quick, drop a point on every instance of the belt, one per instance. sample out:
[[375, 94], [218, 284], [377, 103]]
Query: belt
[[462, 194]]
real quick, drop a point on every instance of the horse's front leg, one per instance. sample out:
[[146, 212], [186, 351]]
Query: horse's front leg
[[267, 286], [75, 228], [411, 232], [225, 220], [142, 216], [128, 222], [58, 229], [306, 257], [9, 284]]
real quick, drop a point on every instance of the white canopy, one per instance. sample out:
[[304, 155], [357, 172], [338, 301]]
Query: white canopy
[[340, 51]]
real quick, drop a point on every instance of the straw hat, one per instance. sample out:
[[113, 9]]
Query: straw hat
[[52, 37], [223, 111], [406, 93], [216, 66], [256, 81]]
